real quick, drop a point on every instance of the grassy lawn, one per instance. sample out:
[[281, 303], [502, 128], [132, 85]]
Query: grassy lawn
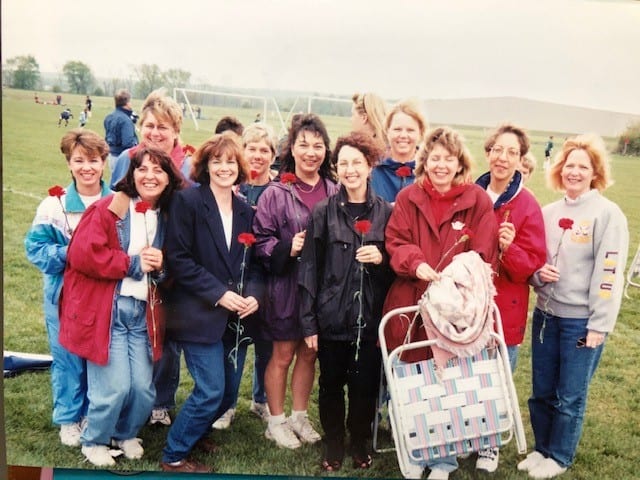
[[32, 163]]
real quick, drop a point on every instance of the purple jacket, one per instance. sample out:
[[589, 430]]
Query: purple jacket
[[280, 215]]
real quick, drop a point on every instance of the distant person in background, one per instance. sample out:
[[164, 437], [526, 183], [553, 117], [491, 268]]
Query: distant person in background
[[258, 142], [88, 104], [65, 115], [58, 99], [368, 114], [579, 295], [46, 245], [527, 166], [405, 127], [120, 131], [520, 242], [83, 118], [258, 117], [36, 98], [548, 149], [229, 123]]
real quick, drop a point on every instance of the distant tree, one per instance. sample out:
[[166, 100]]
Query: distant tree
[[22, 72], [176, 78], [79, 76], [150, 78]]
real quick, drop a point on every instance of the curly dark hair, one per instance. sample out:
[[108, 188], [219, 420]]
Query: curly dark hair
[[362, 142], [176, 181], [311, 123]]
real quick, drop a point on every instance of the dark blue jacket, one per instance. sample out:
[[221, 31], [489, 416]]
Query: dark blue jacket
[[120, 132], [202, 266]]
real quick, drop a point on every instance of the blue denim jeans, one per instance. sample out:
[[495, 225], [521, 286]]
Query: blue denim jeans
[[512, 351], [166, 375], [68, 374], [121, 393], [205, 364], [561, 373]]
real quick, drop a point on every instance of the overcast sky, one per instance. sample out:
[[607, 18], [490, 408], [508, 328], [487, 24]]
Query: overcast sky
[[577, 52]]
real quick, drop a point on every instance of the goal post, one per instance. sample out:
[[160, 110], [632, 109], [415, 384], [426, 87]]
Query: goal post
[[192, 101]]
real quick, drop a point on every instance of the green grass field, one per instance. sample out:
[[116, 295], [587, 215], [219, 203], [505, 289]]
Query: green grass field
[[32, 163]]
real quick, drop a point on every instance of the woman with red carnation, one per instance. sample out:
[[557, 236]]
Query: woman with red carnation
[[46, 245], [424, 233], [259, 144], [579, 294], [208, 261], [344, 277], [280, 224], [108, 303], [405, 126]]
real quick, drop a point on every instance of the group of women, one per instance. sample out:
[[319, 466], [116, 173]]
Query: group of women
[[205, 252]]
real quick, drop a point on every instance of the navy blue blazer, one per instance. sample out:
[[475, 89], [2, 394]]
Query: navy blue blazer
[[202, 267]]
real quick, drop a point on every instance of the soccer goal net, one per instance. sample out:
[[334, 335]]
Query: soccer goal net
[[202, 106]]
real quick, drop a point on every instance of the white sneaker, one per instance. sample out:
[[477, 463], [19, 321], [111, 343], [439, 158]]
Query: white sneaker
[[438, 474], [161, 416], [413, 471], [547, 468], [225, 420], [488, 460], [99, 455], [283, 435], [533, 459], [132, 448], [304, 430], [261, 410], [70, 434]]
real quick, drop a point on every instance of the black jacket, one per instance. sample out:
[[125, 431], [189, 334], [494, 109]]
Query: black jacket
[[329, 275]]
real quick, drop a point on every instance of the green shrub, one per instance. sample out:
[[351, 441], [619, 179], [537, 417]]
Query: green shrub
[[631, 137]]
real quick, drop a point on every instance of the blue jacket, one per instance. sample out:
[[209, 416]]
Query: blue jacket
[[386, 183], [202, 266], [47, 239], [120, 131]]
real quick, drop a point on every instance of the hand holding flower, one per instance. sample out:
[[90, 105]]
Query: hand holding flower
[[426, 273], [151, 259], [506, 235], [549, 273], [251, 307], [369, 254]]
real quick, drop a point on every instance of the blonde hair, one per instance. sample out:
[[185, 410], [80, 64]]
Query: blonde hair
[[529, 162], [375, 108], [453, 142], [257, 132], [595, 147], [410, 107], [163, 108]]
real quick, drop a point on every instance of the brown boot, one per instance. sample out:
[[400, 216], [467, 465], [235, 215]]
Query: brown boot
[[186, 465]]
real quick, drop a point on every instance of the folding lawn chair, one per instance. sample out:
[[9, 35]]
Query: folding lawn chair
[[465, 405]]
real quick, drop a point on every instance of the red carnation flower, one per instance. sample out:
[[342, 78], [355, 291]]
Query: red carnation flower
[[363, 226], [467, 234], [288, 178], [188, 150], [403, 172], [247, 239], [142, 206], [565, 223], [56, 191], [254, 174]]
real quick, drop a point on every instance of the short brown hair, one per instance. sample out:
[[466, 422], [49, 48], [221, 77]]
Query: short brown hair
[[454, 142], [176, 181], [122, 97], [92, 143], [227, 143], [595, 147], [363, 142], [523, 138]]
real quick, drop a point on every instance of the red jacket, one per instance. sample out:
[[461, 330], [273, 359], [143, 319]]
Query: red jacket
[[524, 256], [96, 263], [412, 237]]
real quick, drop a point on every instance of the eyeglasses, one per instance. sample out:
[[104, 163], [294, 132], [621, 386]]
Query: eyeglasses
[[511, 153]]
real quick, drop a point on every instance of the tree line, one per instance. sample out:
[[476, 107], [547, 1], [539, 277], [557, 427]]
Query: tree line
[[23, 72]]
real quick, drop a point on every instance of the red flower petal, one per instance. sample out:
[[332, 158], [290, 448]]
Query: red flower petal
[[288, 178], [142, 206], [565, 223], [188, 149], [56, 191], [246, 239], [468, 232], [254, 174], [403, 172], [363, 226]]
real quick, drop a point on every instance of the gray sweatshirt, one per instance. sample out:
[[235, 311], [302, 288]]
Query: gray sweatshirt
[[591, 259]]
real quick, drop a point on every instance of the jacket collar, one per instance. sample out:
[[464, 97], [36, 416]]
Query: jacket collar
[[73, 202], [119, 204], [514, 187]]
